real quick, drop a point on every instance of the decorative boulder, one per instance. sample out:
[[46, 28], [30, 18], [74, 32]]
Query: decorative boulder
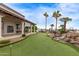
[[72, 41], [68, 35], [77, 39], [57, 35], [57, 38], [62, 37], [52, 36], [67, 39]]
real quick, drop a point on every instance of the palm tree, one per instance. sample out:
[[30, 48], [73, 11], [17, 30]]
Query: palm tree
[[52, 27], [65, 20], [56, 15], [62, 26], [46, 15]]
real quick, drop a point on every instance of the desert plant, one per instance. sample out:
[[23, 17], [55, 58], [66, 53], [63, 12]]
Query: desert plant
[[65, 20], [56, 15], [46, 15], [33, 28]]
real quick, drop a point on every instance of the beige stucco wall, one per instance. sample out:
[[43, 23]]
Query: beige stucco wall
[[27, 24], [0, 25], [10, 21], [9, 24]]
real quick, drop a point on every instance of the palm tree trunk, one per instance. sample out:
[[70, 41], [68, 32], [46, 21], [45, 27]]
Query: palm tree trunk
[[46, 24], [56, 25], [64, 26]]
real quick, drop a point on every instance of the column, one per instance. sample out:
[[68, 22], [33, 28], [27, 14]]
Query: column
[[23, 27], [34, 28], [31, 29], [0, 26]]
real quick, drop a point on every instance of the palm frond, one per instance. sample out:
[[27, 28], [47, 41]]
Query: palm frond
[[45, 14]]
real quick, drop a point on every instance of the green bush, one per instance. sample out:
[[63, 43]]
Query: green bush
[[33, 28], [61, 31], [23, 35], [4, 41]]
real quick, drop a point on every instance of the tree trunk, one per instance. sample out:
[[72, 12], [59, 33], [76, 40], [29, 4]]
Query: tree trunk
[[64, 26], [56, 25], [51, 28], [46, 24]]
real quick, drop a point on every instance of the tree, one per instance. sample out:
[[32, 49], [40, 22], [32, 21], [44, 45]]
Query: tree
[[65, 20], [46, 15], [62, 26], [52, 26], [56, 15], [61, 30], [33, 28]]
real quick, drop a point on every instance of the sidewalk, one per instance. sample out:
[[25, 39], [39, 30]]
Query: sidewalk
[[16, 38]]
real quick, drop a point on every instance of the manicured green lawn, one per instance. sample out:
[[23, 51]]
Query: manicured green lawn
[[39, 45]]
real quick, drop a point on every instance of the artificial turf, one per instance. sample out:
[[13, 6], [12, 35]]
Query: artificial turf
[[39, 45]]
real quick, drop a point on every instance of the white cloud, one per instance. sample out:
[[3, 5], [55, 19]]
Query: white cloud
[[36, 15], [71, 10]]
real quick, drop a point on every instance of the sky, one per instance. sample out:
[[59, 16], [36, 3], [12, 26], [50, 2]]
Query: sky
[[34, 12]]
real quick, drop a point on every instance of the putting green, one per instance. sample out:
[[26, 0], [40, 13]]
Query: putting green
[[39, 45]]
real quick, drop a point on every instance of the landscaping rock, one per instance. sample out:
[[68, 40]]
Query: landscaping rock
[[77, 39], [57, 38], [67, 39], [51, 35], [57, 35], [68, 35], [62, 37], [72, 41], [71, 37]]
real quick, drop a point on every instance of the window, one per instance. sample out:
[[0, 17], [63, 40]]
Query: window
[[17, 26], [10, 29]]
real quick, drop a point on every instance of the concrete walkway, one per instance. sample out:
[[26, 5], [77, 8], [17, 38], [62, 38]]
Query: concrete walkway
[[16, 38], [20, 38]]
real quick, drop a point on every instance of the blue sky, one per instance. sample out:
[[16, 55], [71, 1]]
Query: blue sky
[[34, 12]]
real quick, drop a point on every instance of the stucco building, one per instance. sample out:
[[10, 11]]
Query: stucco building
[[12, 23]]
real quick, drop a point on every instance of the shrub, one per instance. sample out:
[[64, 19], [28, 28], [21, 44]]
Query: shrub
[[61, 31], [23, 35], [4, 41], [33, 28]]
